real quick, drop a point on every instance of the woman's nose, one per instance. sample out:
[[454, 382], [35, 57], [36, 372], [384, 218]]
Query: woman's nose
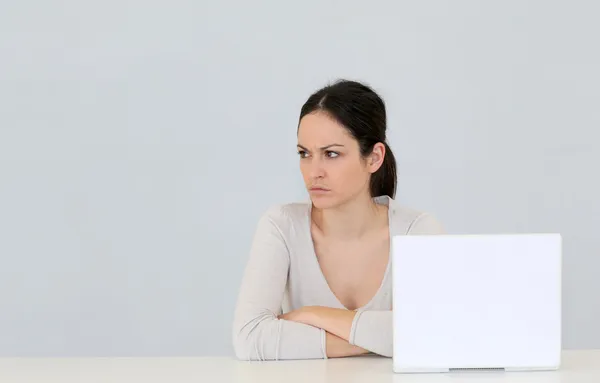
[[316, 168]]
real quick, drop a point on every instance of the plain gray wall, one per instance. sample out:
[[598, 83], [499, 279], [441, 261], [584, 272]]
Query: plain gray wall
[[140, 141]]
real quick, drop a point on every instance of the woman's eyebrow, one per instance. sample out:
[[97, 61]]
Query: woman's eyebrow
[[322, 148]]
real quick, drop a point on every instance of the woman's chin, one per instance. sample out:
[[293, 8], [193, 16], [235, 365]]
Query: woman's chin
[[323, 202]]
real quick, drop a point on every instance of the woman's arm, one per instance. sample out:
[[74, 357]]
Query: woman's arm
[[368, 330], [335, 321], [339, 348], [257, 332], [374, 331]]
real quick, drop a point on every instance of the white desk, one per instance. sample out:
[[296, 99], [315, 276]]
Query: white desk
[[577, 367]]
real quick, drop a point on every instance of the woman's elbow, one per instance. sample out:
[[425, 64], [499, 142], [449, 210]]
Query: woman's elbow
[[247, 350], [253, 339], [241, 351], [245, 346], [241, 344], [385, 351]]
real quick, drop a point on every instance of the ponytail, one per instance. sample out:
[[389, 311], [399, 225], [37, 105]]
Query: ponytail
[[384, 180]]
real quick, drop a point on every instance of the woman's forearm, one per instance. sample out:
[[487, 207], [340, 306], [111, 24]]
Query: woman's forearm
[[339, 348], [370, 330], [335, 321]]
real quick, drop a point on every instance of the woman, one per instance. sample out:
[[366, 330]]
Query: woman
[[318, 280]]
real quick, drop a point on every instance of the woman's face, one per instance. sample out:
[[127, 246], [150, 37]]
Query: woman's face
[[333, 169]]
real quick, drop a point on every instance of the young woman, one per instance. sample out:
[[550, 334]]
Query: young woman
[[318, 280]]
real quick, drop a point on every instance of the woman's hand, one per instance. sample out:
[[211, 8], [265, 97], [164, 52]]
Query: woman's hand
[[304, 315]]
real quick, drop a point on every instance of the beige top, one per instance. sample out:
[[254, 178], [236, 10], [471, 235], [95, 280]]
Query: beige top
[[283, 274]]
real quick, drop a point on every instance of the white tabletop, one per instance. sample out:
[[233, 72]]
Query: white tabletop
[[577, 367]]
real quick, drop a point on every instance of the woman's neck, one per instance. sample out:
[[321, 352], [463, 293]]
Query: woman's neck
[[351, 220]]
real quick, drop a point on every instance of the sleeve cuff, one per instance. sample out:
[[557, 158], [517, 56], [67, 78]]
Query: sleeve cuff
[[324, 343], [354, 327]]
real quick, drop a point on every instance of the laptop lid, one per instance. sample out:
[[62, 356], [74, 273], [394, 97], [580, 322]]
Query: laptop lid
[[477, 302]]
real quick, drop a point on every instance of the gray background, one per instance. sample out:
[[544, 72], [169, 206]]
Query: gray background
[[141, 140]]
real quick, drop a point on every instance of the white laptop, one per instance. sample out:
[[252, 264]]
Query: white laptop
[[485, 302]]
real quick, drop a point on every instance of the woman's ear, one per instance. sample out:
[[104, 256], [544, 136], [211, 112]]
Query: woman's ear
[[376, 157]]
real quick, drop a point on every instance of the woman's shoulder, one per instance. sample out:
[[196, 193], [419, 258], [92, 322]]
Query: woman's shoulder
[[286, 215], [405, 220]]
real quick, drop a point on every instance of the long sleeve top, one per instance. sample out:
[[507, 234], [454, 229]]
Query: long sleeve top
[[283, 274]]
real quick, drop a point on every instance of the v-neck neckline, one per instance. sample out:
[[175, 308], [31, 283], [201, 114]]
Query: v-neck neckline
[[385, 200]]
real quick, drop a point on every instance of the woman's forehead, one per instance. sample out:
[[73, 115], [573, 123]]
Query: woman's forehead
[[318, 129]]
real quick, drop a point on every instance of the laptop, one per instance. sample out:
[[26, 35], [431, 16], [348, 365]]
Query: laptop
[[477, 302]]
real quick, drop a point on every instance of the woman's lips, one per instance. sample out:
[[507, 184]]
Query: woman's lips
[[319, 190]]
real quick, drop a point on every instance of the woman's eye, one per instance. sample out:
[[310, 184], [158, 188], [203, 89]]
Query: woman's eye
[[331, 154], [302, 153]]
